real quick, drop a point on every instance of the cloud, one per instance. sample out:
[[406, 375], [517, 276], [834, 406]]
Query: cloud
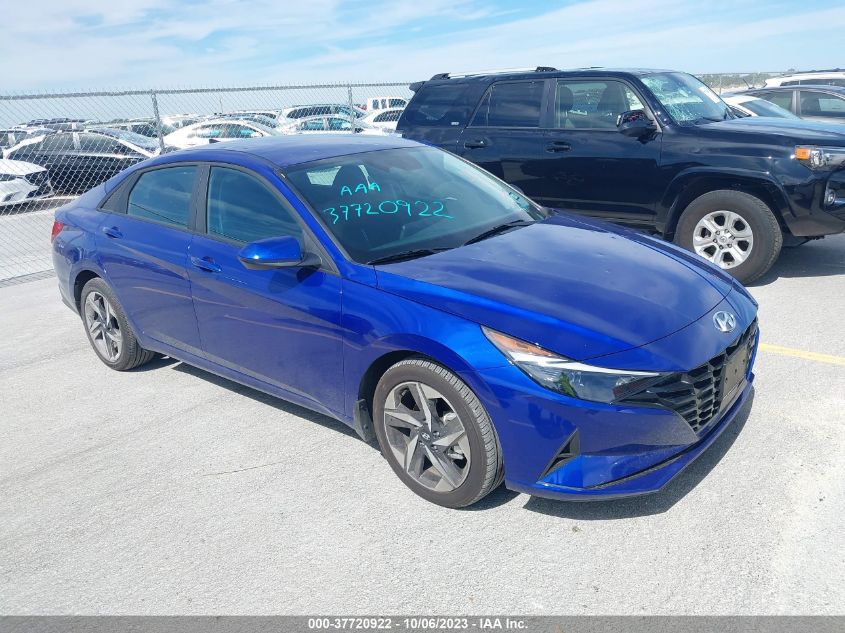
[[99, 43]]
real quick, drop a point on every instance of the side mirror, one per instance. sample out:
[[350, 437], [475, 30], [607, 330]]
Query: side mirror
[[636, 124], [277, 252]]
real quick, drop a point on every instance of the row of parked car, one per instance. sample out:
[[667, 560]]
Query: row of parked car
[[68, 156]]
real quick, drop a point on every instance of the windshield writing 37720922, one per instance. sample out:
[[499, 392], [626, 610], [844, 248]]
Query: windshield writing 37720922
[[413, 208], [355, 210]]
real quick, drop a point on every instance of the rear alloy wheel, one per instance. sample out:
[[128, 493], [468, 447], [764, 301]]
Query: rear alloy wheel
[[108, 331], [103, 327], [734, 230], [435, 434]]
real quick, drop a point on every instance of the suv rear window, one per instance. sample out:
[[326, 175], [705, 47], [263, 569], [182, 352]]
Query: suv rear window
[[440, 105]]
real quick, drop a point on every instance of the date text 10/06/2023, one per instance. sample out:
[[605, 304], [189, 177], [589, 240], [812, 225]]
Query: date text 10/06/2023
[[356, 210]]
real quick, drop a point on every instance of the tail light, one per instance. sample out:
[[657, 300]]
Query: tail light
[[57, 228]]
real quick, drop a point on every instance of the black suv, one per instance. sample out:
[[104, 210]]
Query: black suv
[[654, 150]]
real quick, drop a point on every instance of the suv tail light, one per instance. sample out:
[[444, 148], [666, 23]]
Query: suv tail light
[[57, 228]]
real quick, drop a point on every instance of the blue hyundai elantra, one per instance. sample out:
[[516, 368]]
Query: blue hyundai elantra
[[402, 290]]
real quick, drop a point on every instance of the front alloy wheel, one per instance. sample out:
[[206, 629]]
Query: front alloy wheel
[[426, 436], [435, 433], [734, 230], [723, 237]]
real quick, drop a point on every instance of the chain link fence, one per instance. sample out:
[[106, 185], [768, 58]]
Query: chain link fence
[[58, 145]]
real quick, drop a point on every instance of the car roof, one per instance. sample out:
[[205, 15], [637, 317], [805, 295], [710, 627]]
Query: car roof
[[286, 151], [817, 87], [549, 72]]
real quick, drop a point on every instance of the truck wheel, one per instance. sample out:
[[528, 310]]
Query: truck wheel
[[732, 229]]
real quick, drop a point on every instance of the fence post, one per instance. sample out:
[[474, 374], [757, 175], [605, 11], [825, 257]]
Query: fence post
[[158, 121], [351, 108]]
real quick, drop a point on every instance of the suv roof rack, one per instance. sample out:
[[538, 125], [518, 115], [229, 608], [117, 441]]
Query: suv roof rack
[[500, 71], [810, 72]]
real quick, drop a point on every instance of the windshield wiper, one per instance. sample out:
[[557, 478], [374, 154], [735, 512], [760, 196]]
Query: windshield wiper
[[499, 228], [405, 255]]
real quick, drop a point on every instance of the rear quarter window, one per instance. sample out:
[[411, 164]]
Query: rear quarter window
[[440, 105]]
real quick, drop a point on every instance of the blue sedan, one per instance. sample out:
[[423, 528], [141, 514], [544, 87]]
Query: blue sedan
[[478, 337]]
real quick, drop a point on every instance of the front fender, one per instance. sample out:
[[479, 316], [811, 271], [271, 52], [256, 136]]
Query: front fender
[[692, 182], [402, 325]]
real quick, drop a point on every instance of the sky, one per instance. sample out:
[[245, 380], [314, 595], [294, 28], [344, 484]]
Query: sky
[[51, 45]]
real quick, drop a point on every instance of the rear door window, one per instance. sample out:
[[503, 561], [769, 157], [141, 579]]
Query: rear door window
[[511, 104], [821, 104], [163, 195]]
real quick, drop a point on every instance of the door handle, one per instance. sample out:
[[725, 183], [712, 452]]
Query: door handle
[[205, 263], [558, 146], [475, 143], [112, 231]]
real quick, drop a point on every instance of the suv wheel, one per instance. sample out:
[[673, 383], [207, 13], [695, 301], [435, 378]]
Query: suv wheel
[[108, 331], [435, 434], [734, 230]]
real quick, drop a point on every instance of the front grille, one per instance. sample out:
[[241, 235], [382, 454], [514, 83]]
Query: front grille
[[697, 394], [37, 178]]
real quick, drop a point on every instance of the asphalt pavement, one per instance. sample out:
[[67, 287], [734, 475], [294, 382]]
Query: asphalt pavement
[[171, 491]]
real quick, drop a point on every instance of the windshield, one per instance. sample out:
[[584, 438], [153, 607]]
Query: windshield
[[686, 99], [761, 107], [384, 203]]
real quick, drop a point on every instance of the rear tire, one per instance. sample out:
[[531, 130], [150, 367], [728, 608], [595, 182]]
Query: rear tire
[[448, 453], [108, 331], [734, 230]]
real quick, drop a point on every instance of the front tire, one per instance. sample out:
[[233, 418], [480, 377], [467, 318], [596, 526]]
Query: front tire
[[435, 434], [108, 331], [734, 230]]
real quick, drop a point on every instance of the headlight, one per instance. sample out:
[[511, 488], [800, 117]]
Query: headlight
[[569, 377], [820, 157]]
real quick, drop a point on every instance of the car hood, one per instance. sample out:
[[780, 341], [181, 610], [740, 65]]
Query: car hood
[[797, 130], [579, 288]]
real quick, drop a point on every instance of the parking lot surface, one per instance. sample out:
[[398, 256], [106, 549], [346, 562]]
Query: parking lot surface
[[170, 491]]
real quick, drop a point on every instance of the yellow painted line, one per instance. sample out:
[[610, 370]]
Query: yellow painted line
[[800, 353]]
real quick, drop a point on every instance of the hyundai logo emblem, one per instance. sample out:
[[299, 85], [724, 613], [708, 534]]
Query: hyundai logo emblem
[[724, 321]]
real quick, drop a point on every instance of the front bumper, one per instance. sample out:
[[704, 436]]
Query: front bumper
[[565, 448], [647, 481], [810, 215]]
